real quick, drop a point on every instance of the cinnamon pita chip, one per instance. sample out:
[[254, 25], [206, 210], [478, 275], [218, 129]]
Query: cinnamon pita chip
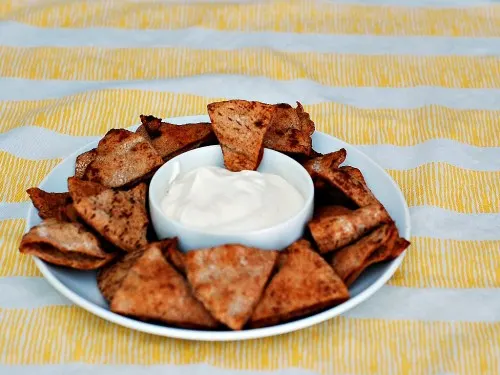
[[119, 216], [171, 140], [229, 280], [123, 158], [349, 261], [331, 232], [65, 244], [240, 127], [50, 205], [304, 284], [320, 165], [175, 256], [153, 290], [356, 190], [290, 130], [83, 161], [110, 277], [80, 189]]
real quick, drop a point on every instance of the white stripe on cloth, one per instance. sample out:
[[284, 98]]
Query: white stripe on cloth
[[21, 35], [266, 90], [391, 302]]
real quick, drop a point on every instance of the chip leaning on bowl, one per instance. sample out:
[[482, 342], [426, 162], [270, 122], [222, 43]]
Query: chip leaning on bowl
[[103, 223]]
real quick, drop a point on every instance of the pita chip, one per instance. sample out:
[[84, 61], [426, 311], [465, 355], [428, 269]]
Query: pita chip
[[229, 280], [83, 161], [320, 165], [171, 140], [290, 130], [122, 159], [110, 277], [349, 261], [240, 126], [175, 256], [65, 244], [119, 216], [51, 205], [153, 290], [305, 284], [331, 232], [80, 189]]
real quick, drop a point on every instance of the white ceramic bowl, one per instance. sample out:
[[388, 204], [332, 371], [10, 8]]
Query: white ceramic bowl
[[273, 238]]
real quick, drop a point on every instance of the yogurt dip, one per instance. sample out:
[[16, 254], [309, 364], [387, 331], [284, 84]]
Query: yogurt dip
[[220, 201]]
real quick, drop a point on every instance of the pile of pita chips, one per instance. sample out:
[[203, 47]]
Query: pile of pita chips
[[102, 224]]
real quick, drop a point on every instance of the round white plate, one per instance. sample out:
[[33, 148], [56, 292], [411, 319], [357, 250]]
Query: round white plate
[[81, 287]]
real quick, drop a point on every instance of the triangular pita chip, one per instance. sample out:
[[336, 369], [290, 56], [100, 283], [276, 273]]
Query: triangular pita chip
[[304, 284], [331, 232], [83, 161], [229, 280], [65, 244], [356, 190], [123, 158], [50, 205], [80, 189], [240, 127], [175, 256], [171, 140], [321, 164], [350, 261], [153, 290], [290, 130], [119, 216]]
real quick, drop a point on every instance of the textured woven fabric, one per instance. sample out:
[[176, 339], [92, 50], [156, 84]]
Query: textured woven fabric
[[415, 84]]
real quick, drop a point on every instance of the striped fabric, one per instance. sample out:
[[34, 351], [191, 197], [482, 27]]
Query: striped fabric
[[414, 83]]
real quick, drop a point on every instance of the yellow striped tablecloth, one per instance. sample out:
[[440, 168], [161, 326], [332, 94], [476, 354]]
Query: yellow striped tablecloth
[[415, 83]]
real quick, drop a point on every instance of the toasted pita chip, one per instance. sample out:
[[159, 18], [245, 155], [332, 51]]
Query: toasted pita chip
[[392, 249], [153, 290], [171, 140], [304, 284], [320, 165], [175, 256], [119, 216], [123, 159], [65, 244], [330, 211], [50, 205], [110, 277], [331, 232], [350, 260], [240, 127], [80, 189], [290, 130], [83, 161], [229, 280], [357, 191]]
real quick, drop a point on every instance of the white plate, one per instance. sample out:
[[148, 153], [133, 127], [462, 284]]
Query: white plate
[[81, 287]]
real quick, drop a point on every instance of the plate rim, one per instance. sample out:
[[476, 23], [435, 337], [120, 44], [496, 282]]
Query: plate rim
[[200, 335]]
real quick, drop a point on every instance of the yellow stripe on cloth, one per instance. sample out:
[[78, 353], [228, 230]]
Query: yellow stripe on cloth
[[446, 186], [441, 263], [95, 112], [89, 63], [429, 262], [335, 346], [13, 263], [20, 174], [282, 16]]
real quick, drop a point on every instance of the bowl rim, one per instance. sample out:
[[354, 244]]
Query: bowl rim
[[208, 336], [155, 202]]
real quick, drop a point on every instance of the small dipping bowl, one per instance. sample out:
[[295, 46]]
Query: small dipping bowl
[[275, 237]]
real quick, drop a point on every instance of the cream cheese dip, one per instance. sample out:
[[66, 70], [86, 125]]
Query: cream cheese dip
[[217, 200]]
